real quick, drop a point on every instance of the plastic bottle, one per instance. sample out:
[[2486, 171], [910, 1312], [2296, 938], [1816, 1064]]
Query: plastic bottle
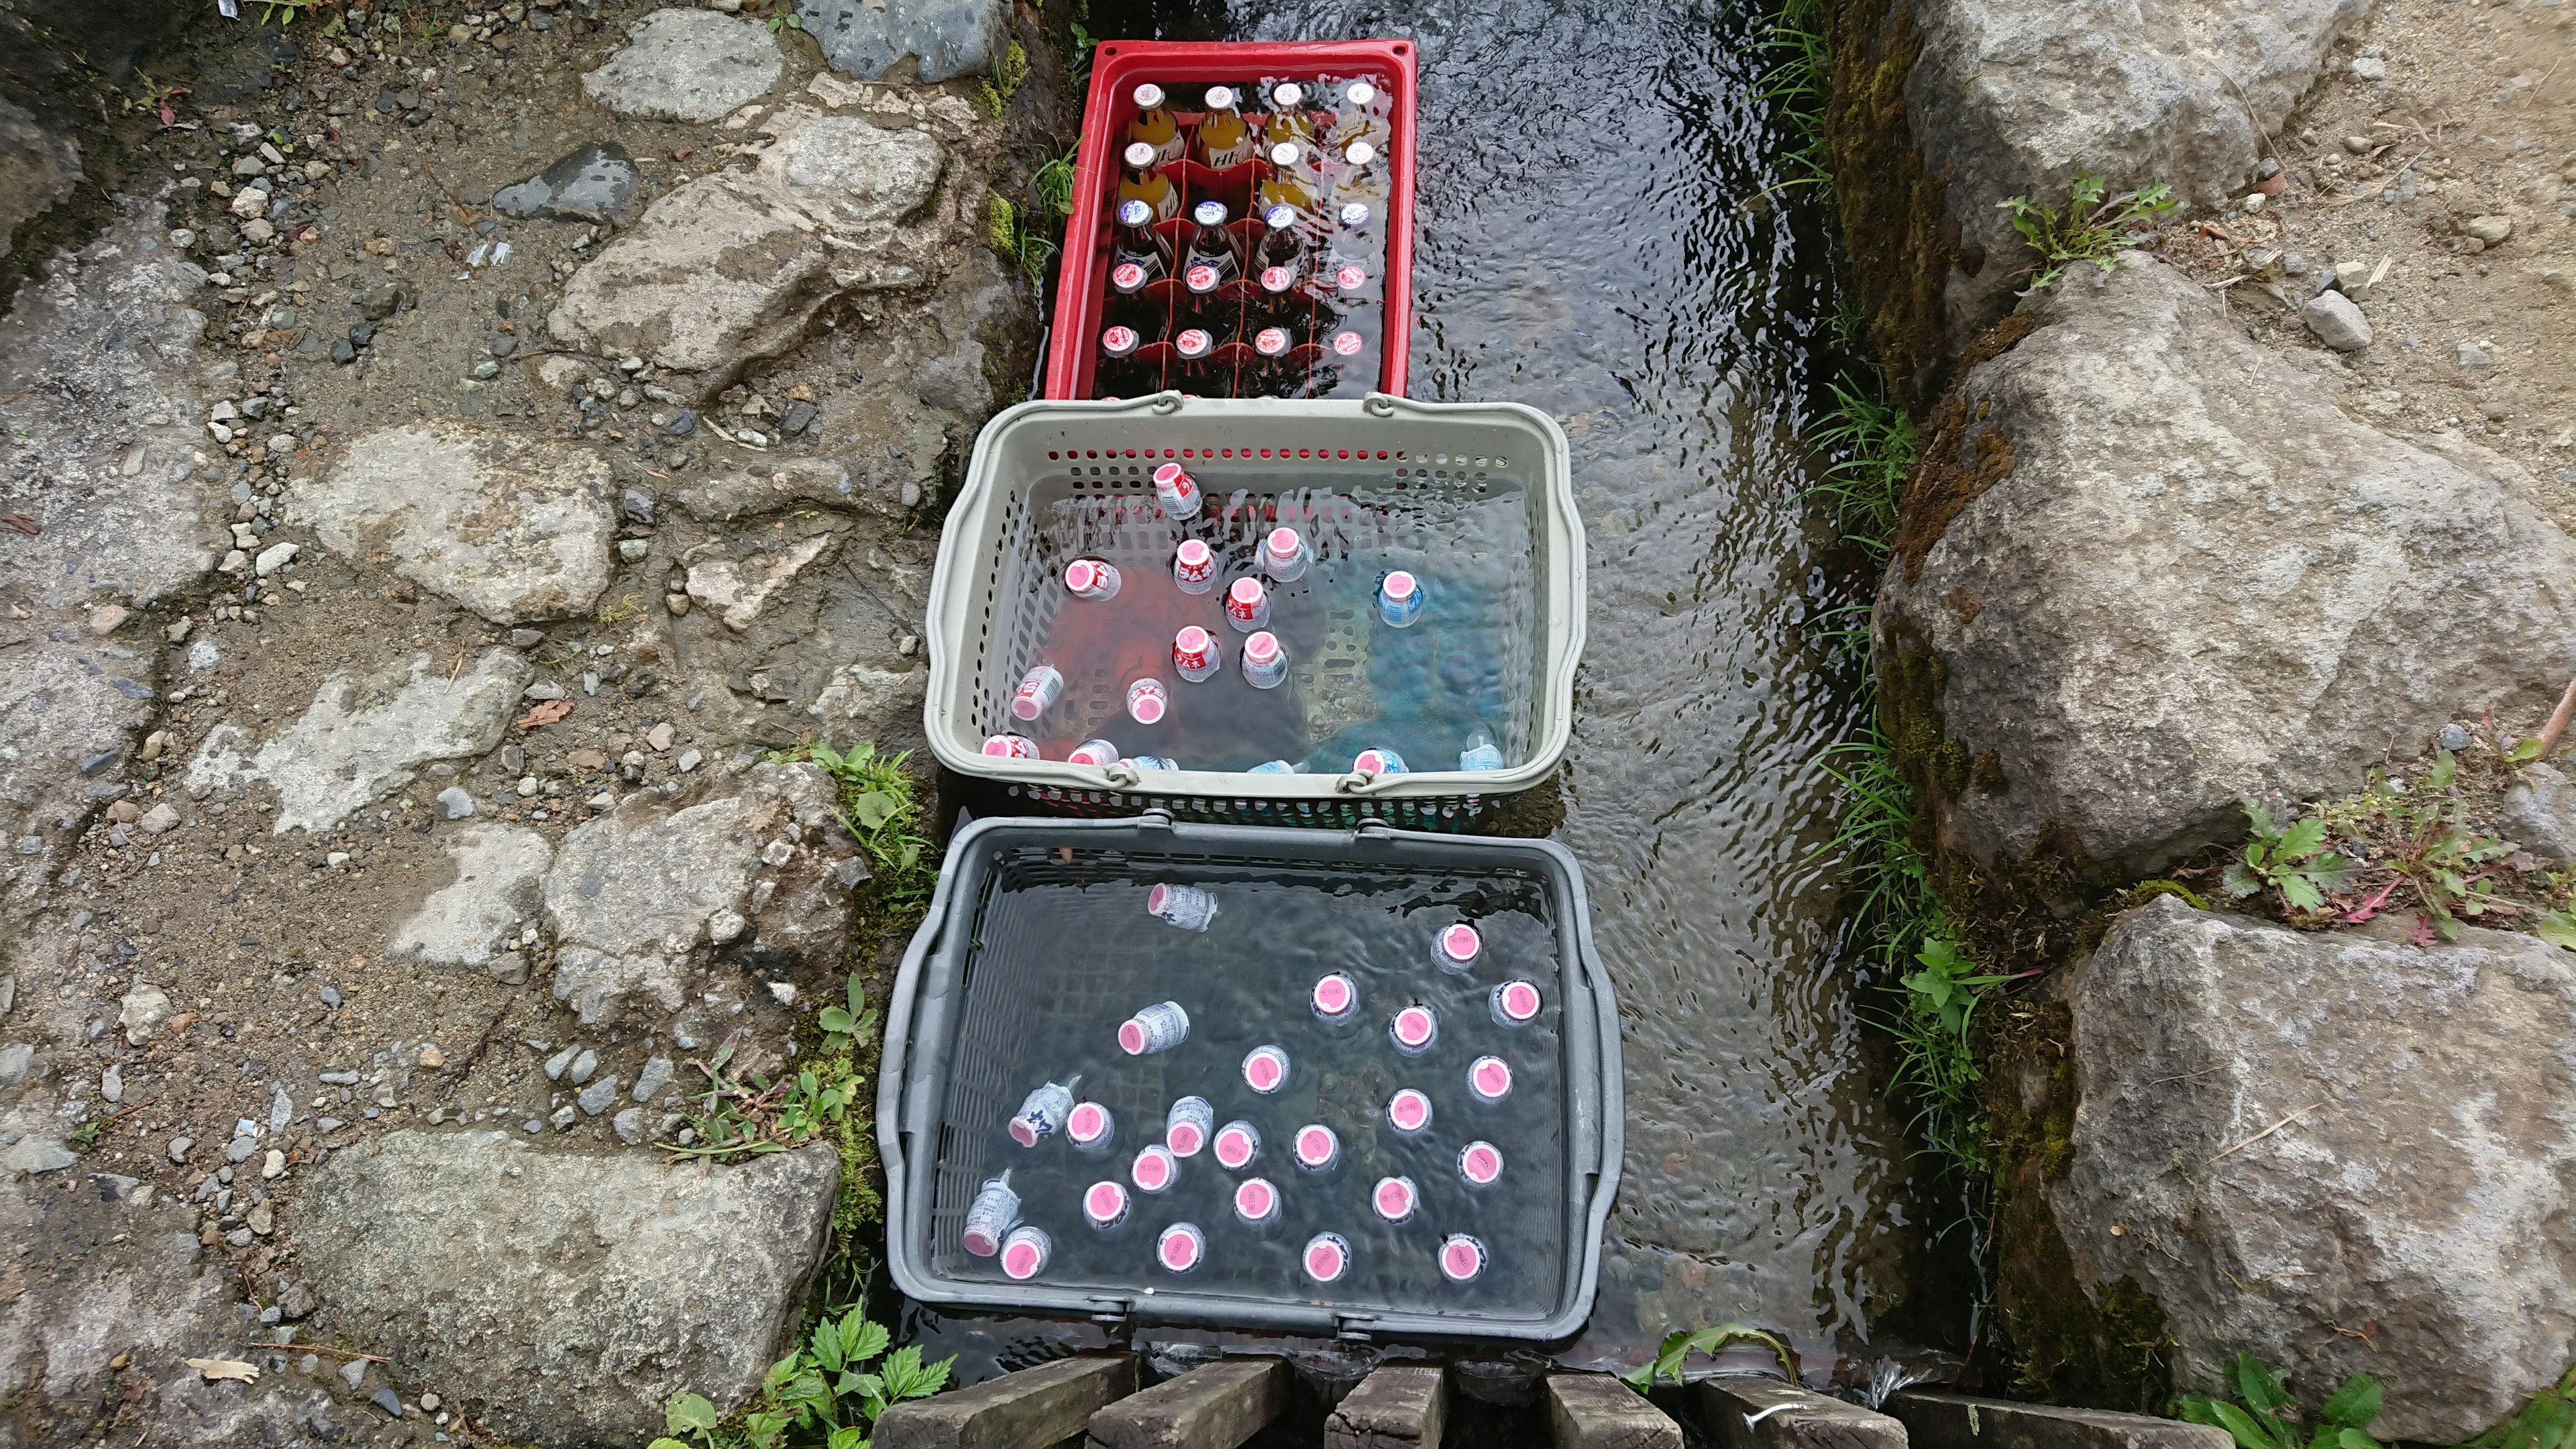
[[1266, 1069], [1247, 605], [989, 1217], [1042, 1112], [1154, 1169], [1025, 1253], [1395, 1198], [1151, 762], [1409, 1111], [1414, 1029], [1399, 599], [1284, 555], [1178, 491], [1147, 701], [1194, 566], [1158, 1028], [1378, 760], [1093, 752], [1010, 747], [1037, 692], [1256, 1202], [1105, 1204], [1327, 1257], [1265, 661], [1185, 906], [1092, 579], [1196, 656], [1317, 1148], [1236, 1145], [1457, 948], [1180, 1248], [1481, 752], [1490, 1078], [1480, 1163], [1274, 767], [1089, 1127], [1515, 1003], [1187, 1126], [1336, 998], [1462, 1258]]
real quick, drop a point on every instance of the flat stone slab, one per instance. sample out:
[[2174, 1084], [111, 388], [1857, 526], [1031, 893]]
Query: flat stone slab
[[687, 65], [597, 182], [465, 922], [1751, 1413], [1595, 1411], [946, 38], [1936, 1420], [1400, 1406], [1216, 1407], [1030, 1409]]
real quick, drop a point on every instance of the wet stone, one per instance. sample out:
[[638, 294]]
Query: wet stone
[[596, 182], [949, 38]]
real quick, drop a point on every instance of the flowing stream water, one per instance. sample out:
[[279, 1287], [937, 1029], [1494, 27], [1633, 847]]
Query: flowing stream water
[[1593, 238]]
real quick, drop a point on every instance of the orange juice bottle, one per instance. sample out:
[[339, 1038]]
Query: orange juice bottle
[[1154, 125], [1142, 181], [1225, 140]]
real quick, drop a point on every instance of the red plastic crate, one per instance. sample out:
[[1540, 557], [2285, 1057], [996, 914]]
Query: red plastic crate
[[1117, 66]]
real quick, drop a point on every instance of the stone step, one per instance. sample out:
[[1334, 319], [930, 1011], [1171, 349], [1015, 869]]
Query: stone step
[[1757, 1413], [1216, 1407], [1030, 1409], [1400, 1406], [1937, 1420], [1596, 1411]]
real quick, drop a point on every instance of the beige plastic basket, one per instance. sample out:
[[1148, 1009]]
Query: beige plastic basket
[[995, 590]]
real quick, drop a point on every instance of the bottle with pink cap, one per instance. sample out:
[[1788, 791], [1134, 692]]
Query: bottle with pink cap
[[1236, 1144], [989, 1217], [1195, 655], [1178, 491], [1181, 1247], [1154, 1169], [1399, 599], [1409, 1110], [1335, 998], [1010, 747], [1490, 1078], [1186, 906], [1256, 1202], [1414, 1029], [1247, 605], [1105, 1204], [1092, 579], [1158, 1028], [1043, 1110], [1148, 701], [1327, 1257], [1458, 948], [1194, 566], [1265, 660], [1480, 1163], [1093, 752], [1025, 1253], [1515, 1003], [1462, 1258], [1089, 1127], [1395, 1198], [1265, 1069], [1038, 691], [1284, 555], [1187, 1125], [1316, 1147]]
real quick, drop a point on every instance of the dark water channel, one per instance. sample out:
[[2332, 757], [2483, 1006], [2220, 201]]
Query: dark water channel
[[1584, 243]]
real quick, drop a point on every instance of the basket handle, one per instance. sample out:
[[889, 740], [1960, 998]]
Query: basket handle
[[1364, 782]]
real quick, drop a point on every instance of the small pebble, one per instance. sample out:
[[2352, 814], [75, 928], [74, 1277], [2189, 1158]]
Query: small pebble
[[331, 997], [2455, 738], [454, 803], [384, 1399]]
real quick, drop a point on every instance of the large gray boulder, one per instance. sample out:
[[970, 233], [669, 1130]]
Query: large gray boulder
[[749, 860], [2010, 99], [2194, 578], [514, 527], [2406, 1213], [945, 38], [573, 1295], [687, 65], [733, 267]]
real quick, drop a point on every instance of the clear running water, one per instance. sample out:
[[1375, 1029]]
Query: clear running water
[[1592, 238]]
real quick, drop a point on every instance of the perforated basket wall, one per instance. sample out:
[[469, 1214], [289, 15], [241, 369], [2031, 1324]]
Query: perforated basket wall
[[951, 1058], [996, 590]]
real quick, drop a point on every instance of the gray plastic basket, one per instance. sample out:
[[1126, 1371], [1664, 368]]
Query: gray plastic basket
[[985, 992], [995, 592]]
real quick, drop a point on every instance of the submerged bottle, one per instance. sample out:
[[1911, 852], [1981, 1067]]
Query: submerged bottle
[[1092, 579], [1143, 181], [1158, 1028], [1256, 1202], [1224, 141], [1317, 1148], [1327, 1257], [1462, 1258], [1399, 599], [1481, 753], [1178, 491], [1265, 660], [1025, 1253], [1089, 1127], [1335, 997], [1515, 1003], [1213, 258], [1195, 656], [1042, 1112], [1187, 1125], [1414, 1029], [1409, 1111], [1092, 752], [1247, 605], [1038, 691], [1395, 1198], [1194, 566], [1490, 1078], [1457, 948], [1480, 1163], [1154, 1170], [1154, 124], [1185, 906], [1139, 244], [1104, 1205], [1284, 555], [1147, 701], [1180, 1248], [1010, 747], [1378, 760], [989, 1217], [1265, 1069], [1236, 1145]]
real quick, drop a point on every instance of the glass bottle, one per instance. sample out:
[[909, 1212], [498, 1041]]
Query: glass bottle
[[1224, 141], [1358, 115], [1118, 372], [1154, 125], [1291, 181], [1138, 242], [1213, 258], [1144, 181], [1281, 245]]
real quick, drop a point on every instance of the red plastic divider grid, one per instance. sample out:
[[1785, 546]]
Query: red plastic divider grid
[[1116, 68]]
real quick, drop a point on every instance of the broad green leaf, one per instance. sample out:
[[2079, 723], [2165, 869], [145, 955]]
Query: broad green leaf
[[2558, 928], [2258, 1386], [2258, 818], [2355, 1439], [858, 995], [2242, 1426], [2354, 1405], [2524, 753], [827, 1346], [854, 1436], [2296, 890], [834, 1019], [874, 809], [666, 1444], [2241, 881], [688, 1413], [2445, 767], [2303, 839]]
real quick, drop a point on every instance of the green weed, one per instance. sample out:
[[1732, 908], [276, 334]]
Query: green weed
[[86, 1135], [1009, 74], [1872, 443], [2094, 227], [1797, 79], [1079, 72], [2269, 1419], [2416, 849], [2292, 860], [2547, 1422], [821, 1394], [744, 1114], [1667, 1364], [881, 808]]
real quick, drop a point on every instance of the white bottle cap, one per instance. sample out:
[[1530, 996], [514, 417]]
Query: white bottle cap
[[1287, 93], [1220, 98], [1361, 153], [1140, 154], [1148, 96], [1360, 93], [1284, 154]]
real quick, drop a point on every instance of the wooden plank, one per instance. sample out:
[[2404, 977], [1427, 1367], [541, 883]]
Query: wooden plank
[[1400, 1406], [1755, 1413], [1938, 1420], [1030, 1409], [1595, 1411], [1216, 1407]]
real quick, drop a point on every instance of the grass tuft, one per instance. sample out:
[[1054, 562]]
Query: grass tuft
[[2095, 226]]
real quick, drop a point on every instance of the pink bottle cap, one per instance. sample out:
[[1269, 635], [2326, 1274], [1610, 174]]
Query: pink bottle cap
[[1461, 1258], [1277, 279], [1118, 341], [1350, 278], [1520, 1000], [1180, 1247], [1153, 1169], [1262, 647], [1399, 585], [1009, 747], [1373, 761], [1193, 554], [1140, 153], [1393, 1198], [1409, 1110], [1490, 1078], [1334, 994], [1480, 1163], [1348, 344], [1243, 597], [1255, 1200], [1185, 1139], [1234, 1148], [1316, 1144], [1023, 1133], [1024, 1258], [1088, 1123], [1201, 277], [1271, 341], [1414, 1025], [1081, 576], [1170, 473], [1194, 342], [1090, 753], [1126, 277], [1104, 1203], [1459, 943], [1284, 544], [1325, 1259], [1265, 1069], [1144, 705]]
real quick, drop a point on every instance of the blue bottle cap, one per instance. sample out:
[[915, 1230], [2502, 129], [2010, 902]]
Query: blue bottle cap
[[1354, 213], [1138, 213], [1279, 217], [1209, 213]]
